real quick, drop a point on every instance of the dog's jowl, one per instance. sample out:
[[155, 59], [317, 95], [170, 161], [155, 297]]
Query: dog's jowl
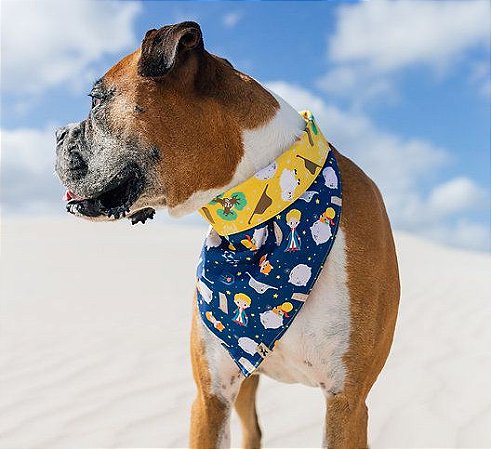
[[297, 278]]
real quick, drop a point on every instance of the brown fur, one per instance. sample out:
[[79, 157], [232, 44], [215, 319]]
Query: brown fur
[[245, 404], [195, 115], [208, 414], [373, 283]]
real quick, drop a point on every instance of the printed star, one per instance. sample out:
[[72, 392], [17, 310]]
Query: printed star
[[317, 201], [257, 336], [309, 258], [228, 292], [275, 295], [248, 258], [278, 277], [278, 217], [239, 273], [252, 314], [304, 232]]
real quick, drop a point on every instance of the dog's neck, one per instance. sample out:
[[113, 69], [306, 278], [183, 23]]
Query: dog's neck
[[261, 146]]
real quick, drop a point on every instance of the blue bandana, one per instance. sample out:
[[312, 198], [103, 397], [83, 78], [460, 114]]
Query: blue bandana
[[251, 284]]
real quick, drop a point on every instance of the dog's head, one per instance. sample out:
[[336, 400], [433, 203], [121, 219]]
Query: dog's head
[[165, 124]]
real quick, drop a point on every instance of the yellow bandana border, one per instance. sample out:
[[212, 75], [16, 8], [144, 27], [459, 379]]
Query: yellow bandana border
[[272, 189]]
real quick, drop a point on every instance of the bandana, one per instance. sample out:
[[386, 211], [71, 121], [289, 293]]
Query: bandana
[[269, 240]]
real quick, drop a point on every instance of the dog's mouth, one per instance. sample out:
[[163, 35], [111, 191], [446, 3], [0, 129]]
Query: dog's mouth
[[114, 201]]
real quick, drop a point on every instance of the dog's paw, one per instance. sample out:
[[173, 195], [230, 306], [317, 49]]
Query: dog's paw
[[142, 215]]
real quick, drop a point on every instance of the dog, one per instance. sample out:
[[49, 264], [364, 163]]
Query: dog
[[174, 126]]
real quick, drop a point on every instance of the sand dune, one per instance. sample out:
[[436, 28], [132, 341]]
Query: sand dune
[[94, 344]]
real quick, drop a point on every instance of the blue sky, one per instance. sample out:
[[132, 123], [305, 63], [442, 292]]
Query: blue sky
[[401, 87]]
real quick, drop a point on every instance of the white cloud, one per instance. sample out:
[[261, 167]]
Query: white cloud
[[45, 43], [389, 35], [457, 195], [460, 232], [347, 79], [359, 85], [231, 19], [481, 77], [374, 39], [402, 168], [28, 182], [31, 149]]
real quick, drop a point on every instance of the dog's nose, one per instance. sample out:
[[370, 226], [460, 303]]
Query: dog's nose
[[60, 134], [77, 165]]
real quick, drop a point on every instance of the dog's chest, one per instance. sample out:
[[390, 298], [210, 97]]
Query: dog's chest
[[311, 351]]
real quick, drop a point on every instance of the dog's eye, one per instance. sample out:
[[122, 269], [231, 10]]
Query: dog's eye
[[96, 101]]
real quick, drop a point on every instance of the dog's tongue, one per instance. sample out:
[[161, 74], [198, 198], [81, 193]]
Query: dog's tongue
[[71, 196]]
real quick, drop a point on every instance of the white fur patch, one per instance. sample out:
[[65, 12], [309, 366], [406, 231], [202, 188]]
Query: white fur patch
[[222, 367], [264, 144], [311, 351], [261, 147], [225, 378]]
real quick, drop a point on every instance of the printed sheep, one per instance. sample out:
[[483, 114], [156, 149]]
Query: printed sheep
[[267, 172], [330, 178], [321, 232], [300, 275], [288, 183]]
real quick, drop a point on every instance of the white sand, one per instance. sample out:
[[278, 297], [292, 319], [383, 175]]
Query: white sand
[[94, 344]]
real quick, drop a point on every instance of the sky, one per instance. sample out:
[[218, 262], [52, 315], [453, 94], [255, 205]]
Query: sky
[[401, 87]]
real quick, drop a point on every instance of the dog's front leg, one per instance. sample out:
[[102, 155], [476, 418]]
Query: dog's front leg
[[346, 421], [218, 381]]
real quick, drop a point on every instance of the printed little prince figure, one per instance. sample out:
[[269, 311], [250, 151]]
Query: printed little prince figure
[[243, 302], [293, 220]]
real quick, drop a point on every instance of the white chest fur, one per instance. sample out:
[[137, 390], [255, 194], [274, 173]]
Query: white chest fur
[[311, 351]]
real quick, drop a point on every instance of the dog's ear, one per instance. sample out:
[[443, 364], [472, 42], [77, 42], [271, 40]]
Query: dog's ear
[[161, 49]]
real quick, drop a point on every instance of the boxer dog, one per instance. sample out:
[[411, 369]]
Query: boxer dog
[[172, 126]]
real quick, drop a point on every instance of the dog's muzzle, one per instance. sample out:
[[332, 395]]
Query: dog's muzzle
[[115, 200], [112, 198]]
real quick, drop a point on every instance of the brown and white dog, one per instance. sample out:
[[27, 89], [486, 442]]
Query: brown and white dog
[[172, 125]]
